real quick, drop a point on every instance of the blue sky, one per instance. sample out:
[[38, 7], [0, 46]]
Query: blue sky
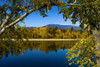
[[36, 20]]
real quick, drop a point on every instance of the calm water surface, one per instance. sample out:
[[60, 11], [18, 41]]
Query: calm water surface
[[35, 54]]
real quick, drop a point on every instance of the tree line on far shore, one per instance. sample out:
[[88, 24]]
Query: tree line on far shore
[[44, 32]]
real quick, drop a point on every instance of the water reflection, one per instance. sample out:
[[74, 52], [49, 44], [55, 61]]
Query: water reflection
[[35, 54], [17, 48]]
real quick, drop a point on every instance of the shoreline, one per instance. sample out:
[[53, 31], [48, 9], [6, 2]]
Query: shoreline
[[43, 39]]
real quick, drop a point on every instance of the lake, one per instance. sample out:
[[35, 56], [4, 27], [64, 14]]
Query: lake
[[35, 54]]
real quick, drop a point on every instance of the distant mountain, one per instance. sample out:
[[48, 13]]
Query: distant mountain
[[66, 27], [60, 26]]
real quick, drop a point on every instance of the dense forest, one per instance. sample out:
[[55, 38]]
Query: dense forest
[[45, 33]]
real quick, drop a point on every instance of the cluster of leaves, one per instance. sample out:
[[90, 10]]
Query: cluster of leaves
[[87, 12], [15, 8], [44, 32], [83, 52]]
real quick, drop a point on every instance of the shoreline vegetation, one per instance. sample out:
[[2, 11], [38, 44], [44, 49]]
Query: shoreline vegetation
[[41, 39], [44, 33]]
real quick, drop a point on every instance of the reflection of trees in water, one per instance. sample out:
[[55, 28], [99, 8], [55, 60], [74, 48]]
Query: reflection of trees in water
[[16, 48]]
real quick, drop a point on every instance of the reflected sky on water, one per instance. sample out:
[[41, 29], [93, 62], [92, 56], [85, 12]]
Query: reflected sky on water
[[35, 54]]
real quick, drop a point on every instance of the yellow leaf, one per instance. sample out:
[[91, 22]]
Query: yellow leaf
[[85, 25], [25, 9], [89, 28]]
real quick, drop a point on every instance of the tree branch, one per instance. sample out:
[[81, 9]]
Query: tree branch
[[73, 4], [95, 10], [5, 21], [30, 11], [23, 16], [3, 26], [75, 1]]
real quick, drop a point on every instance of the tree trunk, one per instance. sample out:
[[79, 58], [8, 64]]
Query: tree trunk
[[2, 30], [97, 37]]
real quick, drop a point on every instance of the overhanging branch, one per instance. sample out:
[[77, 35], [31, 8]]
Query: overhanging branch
[[3, 26], [30, 11], [23, 16], [5, 21]]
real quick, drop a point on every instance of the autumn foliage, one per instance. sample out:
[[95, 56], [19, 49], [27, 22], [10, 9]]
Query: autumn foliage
[[45, 33]]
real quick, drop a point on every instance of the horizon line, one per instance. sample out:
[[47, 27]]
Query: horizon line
[[53, 24]]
